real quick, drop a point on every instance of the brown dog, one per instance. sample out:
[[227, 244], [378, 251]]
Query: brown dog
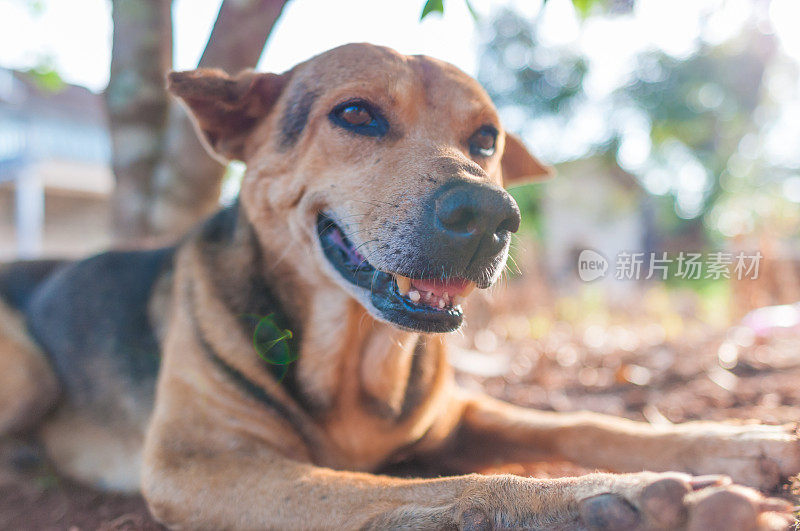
[[372, 202]]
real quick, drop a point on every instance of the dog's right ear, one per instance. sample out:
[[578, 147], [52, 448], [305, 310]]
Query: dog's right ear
[[519, 166], [225, 109]]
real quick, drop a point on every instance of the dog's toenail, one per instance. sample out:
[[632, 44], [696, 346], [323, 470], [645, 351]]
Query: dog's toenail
[[608, 512]]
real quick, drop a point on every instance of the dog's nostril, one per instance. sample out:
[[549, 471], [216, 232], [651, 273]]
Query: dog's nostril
[[510, 224], [462, 218], [458, 212]]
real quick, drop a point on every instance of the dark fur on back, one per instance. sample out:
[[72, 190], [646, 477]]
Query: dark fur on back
[[91, 319], [91, 316], [19, 280]]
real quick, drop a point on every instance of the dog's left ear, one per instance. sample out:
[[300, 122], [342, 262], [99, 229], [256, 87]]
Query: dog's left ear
[[225, 109], [519, 166]]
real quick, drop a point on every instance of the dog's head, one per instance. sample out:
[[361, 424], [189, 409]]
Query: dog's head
[[380, 171]]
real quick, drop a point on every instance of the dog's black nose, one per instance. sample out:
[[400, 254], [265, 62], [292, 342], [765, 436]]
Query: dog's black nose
[[474, 219]]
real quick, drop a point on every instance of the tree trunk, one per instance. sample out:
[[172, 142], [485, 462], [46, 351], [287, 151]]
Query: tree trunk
[[137, 107], [187, 180]]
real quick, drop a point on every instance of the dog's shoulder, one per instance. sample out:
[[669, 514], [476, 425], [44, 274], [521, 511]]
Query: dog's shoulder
[[91, 318]]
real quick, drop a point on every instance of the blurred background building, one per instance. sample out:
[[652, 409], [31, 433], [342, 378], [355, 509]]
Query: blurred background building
[[55, 169]]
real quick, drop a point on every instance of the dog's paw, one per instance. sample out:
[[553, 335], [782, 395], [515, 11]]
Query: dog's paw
[[678, 501], [754, 455]]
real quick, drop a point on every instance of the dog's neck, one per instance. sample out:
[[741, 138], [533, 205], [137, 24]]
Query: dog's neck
[[339, 339], [333, 335]]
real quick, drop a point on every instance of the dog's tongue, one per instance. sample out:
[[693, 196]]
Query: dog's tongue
[[355, 257], [454, 286]]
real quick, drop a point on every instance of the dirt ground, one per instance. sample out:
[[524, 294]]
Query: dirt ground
[[653, 361]]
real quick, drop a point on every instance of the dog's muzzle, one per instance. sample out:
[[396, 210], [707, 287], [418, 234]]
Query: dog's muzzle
[[461, 242]]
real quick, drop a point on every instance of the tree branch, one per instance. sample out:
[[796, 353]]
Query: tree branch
[[137, 106], [187, 180]]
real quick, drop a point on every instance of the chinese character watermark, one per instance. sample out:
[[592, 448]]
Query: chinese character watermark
[[629, 265], [715, 265]]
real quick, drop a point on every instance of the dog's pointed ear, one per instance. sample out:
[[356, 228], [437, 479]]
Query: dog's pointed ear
[[225, 109], [519, 166]]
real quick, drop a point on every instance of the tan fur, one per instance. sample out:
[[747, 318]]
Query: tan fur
[[28, 387], [219, 455], [108, 456]]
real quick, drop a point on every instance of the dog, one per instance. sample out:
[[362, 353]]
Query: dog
[[261, 372]]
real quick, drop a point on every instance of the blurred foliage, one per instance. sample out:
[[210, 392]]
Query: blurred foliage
[[584, 7], [518, 71], [588, 7], [529, 200], [694, 113], [701, 107], [45, 76]]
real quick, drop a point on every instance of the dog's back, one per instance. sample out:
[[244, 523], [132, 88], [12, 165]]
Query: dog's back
[[91, 319], [79, 312], [19, 280], [79, 336]]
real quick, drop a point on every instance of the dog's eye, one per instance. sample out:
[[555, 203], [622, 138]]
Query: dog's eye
[[356, 115], [359, 117], [482, 142]]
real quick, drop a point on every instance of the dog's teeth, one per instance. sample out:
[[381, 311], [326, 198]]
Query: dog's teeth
[[413, 296], [446, 297], [403, 284], [468, 289], [441, 303], [428, 295]]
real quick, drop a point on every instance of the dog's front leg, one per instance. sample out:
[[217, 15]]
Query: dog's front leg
[[754, 455], [259, 489]]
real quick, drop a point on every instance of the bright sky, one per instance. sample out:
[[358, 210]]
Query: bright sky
[[76, 35]]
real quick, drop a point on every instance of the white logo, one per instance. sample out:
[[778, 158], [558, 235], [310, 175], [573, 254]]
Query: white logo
[[591, 265]]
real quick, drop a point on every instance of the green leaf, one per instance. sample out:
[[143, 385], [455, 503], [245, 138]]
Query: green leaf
[[583, 7], [432, 6], [272, 343], [47, 79]]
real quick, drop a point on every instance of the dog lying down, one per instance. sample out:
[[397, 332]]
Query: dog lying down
[[372, 203]]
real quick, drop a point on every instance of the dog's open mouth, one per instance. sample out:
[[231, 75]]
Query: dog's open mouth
[[425, 305]]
